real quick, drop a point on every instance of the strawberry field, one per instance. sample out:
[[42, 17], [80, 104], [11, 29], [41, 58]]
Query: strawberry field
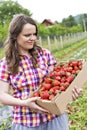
[[77, 111]]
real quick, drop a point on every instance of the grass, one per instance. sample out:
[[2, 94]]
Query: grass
[[78, 111], [1, 52]]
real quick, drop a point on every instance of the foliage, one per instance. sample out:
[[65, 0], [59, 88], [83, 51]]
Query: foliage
[[9, 8], [1, 53], [57, 30], [6, 123], [3, 31], [78, 111], [82, 20], [75, 29], [42, 30], [69, 22]]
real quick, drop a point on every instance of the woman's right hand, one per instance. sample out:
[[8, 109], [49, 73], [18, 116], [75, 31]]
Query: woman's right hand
[[31, 103]]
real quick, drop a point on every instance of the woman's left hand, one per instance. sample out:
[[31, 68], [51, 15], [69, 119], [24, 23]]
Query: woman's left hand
[[76, 93]]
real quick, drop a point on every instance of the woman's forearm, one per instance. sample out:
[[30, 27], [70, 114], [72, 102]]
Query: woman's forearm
[[7, 99]]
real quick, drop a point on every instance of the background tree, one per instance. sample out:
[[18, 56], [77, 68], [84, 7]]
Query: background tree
[[69, 22], [9, 8], [82, 20]]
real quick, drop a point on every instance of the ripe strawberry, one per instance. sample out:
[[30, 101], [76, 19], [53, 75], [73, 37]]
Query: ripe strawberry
[[62, 88], [48, 80], [66, 84], [58, 78], [75, 63], [62, 72], [76, 68], [55, 82], [46, 95], [70, 79], [56, 88], [48, 86], [52, 75], [69, 69], [73, 71]]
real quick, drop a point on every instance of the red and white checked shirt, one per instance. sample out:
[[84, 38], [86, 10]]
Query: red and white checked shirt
[[28, 79]]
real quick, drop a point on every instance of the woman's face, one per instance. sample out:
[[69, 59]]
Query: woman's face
[[26, 38]]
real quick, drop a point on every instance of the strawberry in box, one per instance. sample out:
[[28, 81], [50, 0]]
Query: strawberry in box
[[56, 88], [58, 80]]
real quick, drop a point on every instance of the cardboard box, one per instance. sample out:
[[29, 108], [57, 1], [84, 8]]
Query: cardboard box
[[59, 104]]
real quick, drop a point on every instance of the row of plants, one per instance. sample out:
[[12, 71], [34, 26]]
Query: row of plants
[[70, 51], [77, 112]]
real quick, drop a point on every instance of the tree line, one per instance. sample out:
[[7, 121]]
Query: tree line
[[9, 8]]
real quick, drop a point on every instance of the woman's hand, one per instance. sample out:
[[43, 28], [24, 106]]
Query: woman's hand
[[31, 103], [76, 93]]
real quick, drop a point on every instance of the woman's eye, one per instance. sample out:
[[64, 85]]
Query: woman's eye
[[29, 35]]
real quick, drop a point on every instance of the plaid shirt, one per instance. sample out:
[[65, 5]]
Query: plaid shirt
[[28, 79]]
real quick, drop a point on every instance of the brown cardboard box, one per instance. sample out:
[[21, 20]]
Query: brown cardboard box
[[59, 104]]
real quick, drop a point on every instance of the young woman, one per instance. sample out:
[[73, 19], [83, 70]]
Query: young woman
[[23, 68]]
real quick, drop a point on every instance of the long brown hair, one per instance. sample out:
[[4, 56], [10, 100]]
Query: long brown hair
[[11, 46]]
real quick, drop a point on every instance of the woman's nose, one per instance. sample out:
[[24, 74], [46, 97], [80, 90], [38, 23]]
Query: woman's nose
[[32, 37]]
